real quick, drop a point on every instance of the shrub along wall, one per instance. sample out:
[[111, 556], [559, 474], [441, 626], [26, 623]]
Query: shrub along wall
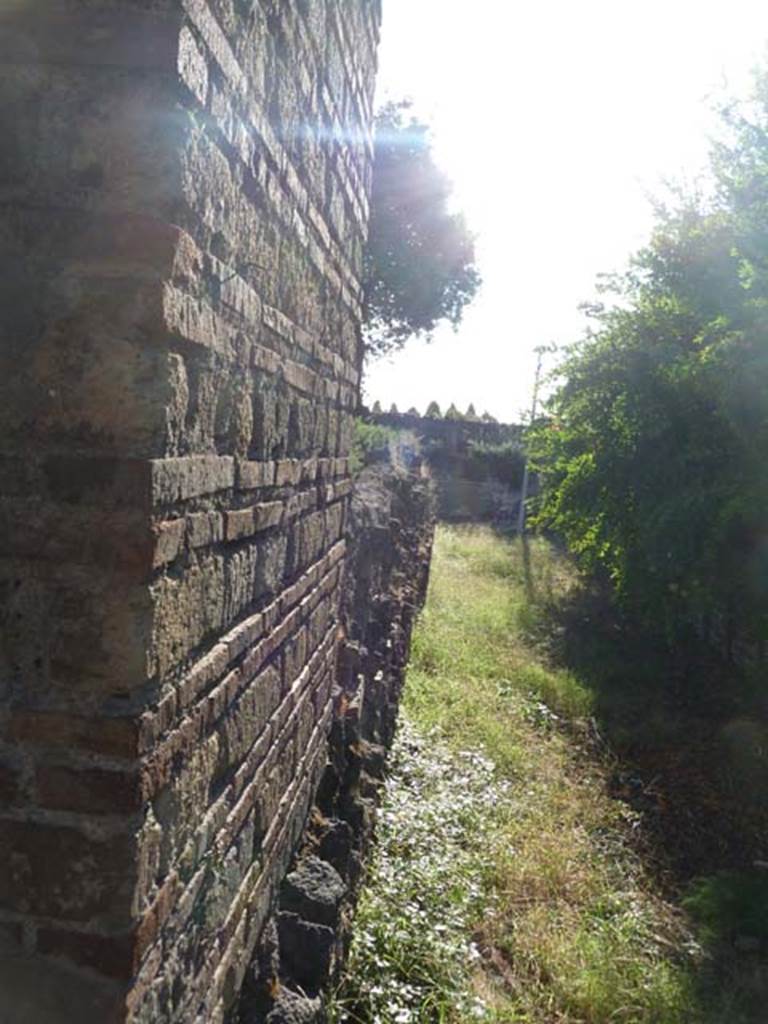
[[184, 189]]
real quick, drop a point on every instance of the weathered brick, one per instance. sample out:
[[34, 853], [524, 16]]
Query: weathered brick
[[278, 322], [249, 521], [193, 68], [154, 723], [288, 472], [309, 470], [203, 673], [204, 528], [239, 523], [246, 720], [188, 609], [245, 634], [272, 564], [169, 538], [154, 919], [268, 514], [251, 475], [295, 654], [300, 377], [179, 479]]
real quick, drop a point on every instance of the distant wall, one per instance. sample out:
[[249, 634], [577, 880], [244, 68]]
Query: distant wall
[[183, 206], [468, 487]]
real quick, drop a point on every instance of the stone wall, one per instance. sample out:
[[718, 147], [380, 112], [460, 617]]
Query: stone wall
[[183, 204], [389, 537]]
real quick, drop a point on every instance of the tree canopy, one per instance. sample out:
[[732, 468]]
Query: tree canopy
[[653, 457], [419, 264]]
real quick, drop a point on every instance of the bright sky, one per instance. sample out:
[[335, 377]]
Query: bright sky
[[555, 121]]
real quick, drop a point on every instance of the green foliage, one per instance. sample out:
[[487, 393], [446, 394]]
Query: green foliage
[[370, 443], [652, 457], [731, 906], [499, 461], [419, 260]]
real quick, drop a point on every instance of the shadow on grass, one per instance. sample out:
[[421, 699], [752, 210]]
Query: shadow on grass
[[688, 733]]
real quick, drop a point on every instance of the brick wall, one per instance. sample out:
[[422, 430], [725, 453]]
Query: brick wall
[[182, 214]]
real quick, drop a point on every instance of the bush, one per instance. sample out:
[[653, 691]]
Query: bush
[[653, 457], [370, 443], [503, 462]]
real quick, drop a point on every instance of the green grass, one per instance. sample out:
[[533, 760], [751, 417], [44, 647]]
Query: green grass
[[412, 956], [469, 667], [576, 932], [567, 923]]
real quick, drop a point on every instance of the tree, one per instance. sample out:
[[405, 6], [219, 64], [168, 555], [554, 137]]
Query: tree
[[433, 411], [419, 261], [653, 456]]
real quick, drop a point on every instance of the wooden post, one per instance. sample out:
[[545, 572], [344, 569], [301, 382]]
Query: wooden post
[[524, 489]]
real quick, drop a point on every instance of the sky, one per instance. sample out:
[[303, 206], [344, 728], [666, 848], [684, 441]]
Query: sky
[[557, 121]]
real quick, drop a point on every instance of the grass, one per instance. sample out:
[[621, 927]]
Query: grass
[[568, 924], [413, 956], [577, 933]]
